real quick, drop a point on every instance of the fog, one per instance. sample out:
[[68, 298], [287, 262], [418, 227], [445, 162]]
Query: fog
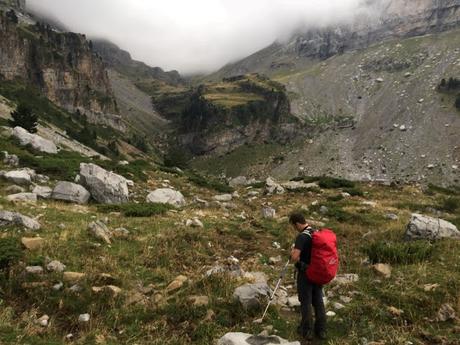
[[194, 35]]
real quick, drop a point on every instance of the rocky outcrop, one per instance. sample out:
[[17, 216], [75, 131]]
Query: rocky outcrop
[[248, 339], [37, 142], [105, 187], [252, 295], [428, 228], [62, 65], [13, 218], [21, 177], [167, 196], [71, 192]]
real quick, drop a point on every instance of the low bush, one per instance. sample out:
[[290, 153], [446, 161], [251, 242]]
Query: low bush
[[10, 253], [450, 205], [398, 253], [210, 183], [136, 210], [354, 191], [333, 183], [432, 189]]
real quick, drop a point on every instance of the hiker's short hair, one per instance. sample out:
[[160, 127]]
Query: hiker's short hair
[[297, 218]]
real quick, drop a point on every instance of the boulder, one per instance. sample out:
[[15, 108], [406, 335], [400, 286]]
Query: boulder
[[42, 192], [248, 339], [73, 277], [34, 140], [177, 283], [105, 187], [11, 160], [238, 181], [32, 243], [251, 295], [295, 186], [14, 189], [21, 177], [56, 266], [166, 196], [268, 213], [223, 197], [345, 279], [428, 228], [28, 197], [72, 192], [34, 269], [13, 218], [383, 269], [272, 187], [99, 230]]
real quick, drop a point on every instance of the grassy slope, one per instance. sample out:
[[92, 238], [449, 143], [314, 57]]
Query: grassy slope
[[159, 248]]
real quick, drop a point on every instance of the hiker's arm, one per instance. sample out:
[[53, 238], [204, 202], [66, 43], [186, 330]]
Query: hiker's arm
[[295, 255]]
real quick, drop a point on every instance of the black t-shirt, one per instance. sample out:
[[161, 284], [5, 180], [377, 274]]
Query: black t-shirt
[[303, 243]]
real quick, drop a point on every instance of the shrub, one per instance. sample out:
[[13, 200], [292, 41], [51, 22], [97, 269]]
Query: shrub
[[176, 157], [354, 191], [24, 117], [10, 253], [450, 205], [210, 183], [136, 210], [332, 183], [398, 253]]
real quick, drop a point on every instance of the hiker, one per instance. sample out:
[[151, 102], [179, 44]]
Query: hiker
[[310, 295]]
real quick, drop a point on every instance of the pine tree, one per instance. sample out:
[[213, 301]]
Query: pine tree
[[24, 117]]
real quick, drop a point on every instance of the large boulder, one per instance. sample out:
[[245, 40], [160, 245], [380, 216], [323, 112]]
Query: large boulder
[[248, 339], [428, 228], [34, 140], [238, 181], [21, 176], [13, 218], [43, 192], [68, 191], [272, 187], [167, 196], [252, 295], [105, 187], [22, 197], [294, 186]]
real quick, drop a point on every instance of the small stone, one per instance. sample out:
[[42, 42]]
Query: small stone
[[223, 197], [177, 283], [84, 318], [34, 269], [345, 299], [395, 311], [268, 213], [323, 210], [73, 276], [275, 260], [446, 313], [199, 301], [331, 314], [32, 243], [391, 216], [43, 321], [345, 279], [383, 269], [58, 286], [293, 302], [430, 287], [56, 266]]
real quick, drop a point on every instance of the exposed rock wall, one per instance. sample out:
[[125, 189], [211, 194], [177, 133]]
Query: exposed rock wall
[[62, 65]]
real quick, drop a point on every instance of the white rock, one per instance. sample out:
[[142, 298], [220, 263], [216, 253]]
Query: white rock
[[238, 181], [12, 218], [43, 321], [84, 318], [36, 141], [21, 177], [72, 192], [99, 230], [331, 314], [167, 196], [56, 266], [272, 187], [248, 339], [268, 213], [34, 269], [28, 197], [251, 295], [293, 302], [223, 197], [338, 306], [105, 187], [42, 192], [428, 228]]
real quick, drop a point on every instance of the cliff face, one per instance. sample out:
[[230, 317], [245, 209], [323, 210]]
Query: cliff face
[[62, 65]]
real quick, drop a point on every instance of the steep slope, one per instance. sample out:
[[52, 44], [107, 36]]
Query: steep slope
[[62, 65], [374, 107]]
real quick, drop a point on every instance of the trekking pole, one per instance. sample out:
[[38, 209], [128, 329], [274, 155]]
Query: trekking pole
[[282, 275]]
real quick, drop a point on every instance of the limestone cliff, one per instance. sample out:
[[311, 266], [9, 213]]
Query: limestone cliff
[[62, 65]]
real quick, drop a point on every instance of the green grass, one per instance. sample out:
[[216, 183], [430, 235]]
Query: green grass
[[136, 210], [398, 252], [210, 183]]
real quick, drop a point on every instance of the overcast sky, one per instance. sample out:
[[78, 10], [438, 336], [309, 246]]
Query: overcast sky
[[193, 35]]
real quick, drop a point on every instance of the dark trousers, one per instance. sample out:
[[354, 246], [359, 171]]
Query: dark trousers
[[310, 297]]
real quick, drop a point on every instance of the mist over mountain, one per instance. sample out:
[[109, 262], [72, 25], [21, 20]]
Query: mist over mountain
[[198, 36]]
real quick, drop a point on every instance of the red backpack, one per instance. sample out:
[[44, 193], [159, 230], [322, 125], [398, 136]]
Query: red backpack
[[324, 262]]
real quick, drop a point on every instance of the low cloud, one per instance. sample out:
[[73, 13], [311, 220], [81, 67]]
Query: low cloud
[[195, 36]]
